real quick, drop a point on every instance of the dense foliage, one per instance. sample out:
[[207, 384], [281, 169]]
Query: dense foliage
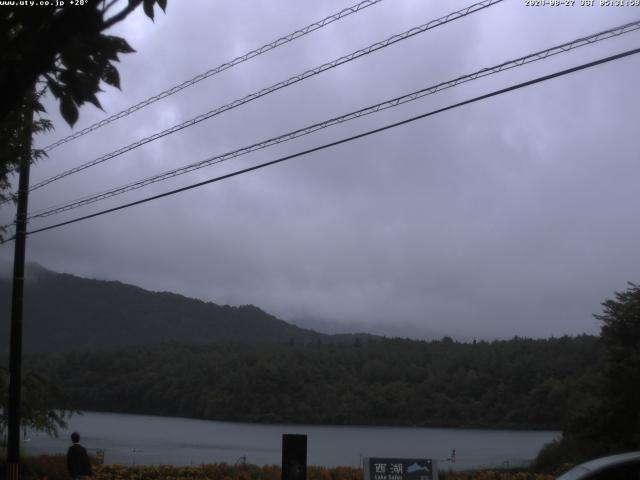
[[60, 49], [621, 386], [38, 394], [608, 419], [518, 383], [65, 47]]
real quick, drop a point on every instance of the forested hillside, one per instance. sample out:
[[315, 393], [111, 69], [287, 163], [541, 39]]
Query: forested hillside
[[134, 351], [516, 384], [64, 312]]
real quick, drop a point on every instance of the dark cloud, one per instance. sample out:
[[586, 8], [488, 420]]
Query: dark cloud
[[512, 216]]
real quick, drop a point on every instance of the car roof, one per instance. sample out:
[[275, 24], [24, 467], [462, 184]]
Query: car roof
[[603, 462], [600, 464]]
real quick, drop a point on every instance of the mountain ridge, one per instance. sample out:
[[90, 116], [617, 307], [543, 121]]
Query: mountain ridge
[[66, 312]]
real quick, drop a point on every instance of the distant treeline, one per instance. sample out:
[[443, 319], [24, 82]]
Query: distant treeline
[[519, 383]]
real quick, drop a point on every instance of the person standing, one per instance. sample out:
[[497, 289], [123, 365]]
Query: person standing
[[78, 463]]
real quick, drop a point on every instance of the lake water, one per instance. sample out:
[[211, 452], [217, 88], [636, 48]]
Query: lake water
[[140, 439]]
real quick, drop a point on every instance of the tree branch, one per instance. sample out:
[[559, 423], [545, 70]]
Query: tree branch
[[118, 17], [105, 8]]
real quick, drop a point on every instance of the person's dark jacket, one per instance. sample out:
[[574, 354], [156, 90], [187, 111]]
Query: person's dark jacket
[[78, 461]]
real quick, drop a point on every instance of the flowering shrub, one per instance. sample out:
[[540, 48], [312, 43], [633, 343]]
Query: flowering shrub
[[50, 467], [494, 475], [53, 467]]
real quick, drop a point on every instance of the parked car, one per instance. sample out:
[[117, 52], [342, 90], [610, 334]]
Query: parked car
[[624, 466]]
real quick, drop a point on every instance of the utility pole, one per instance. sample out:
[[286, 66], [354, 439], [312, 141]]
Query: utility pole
[[15, 347]]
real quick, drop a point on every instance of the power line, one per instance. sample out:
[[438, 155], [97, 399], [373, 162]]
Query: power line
[[533, 57], [345, 140], [220, 68], [265, 91]]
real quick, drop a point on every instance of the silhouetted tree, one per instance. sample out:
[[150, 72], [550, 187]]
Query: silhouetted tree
[[62, 49], [38, 395], [607, 419], [621, 336]]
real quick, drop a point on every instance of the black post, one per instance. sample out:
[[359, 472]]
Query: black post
[[15, 348], [294, 457]]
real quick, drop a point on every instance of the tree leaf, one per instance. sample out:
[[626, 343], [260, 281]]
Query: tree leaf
[[163, 5], [77, 57], [68, 110], [107, 47], [38, 107], [104, 48], [111, 76], [56, 90], [94, 101], [120, 44], [147, 5], [67, 78]]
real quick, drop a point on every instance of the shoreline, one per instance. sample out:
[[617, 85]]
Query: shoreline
[[334, 425]]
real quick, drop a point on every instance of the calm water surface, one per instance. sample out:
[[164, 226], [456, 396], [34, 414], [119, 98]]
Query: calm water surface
[[140, 439]]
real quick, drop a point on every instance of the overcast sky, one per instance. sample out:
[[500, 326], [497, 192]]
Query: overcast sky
[[513, 216]]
